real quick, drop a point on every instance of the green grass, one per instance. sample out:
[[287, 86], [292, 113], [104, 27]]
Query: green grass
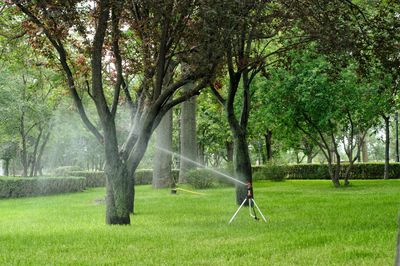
[[309, 223]]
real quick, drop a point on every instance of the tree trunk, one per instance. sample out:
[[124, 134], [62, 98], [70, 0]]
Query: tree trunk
[[242, 166], [364, 150], [162, 160], [398, 246], [38, 167], [24, 155], [268, 144], [229, 150], [35, 152], [118, 198], [6, 167], [200, 155], [387, 146], [397, 136], [188, 136]]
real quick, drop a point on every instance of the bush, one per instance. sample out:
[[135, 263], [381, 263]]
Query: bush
[[24, 186], [271, 172], [93, 179], [201, 178], [65, 170], [98, 179], [320, 171]]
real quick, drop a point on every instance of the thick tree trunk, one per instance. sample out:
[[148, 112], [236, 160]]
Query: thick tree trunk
[[309, 158], [38, 167], [387, 146], [118, 198], [268, 144], [188, 136], [242, 166], [162, 160]]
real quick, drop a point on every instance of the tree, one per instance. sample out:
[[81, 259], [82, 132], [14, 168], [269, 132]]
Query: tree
[[154, 33], [327, 104], [188, 143]]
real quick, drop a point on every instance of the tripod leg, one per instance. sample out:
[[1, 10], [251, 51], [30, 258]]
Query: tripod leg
[[255, 204], [234, 215]]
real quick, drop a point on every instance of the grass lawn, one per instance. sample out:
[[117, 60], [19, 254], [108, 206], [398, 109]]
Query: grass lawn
[[309, 223]]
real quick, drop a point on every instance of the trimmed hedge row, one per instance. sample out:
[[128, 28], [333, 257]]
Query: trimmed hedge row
[[320, 171], [24, 186], [92, 179], [98, 179]]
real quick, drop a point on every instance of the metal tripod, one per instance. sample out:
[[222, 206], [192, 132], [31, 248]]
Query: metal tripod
[[252, 203]]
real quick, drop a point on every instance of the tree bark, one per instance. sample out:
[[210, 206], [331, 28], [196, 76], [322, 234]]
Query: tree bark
[[229, 150], [6, 167], [35, 152], [268, 144], [364, 150], [398, 246], [162, 160], [396, 117], [188, 136], [242, 166], [387, 146]]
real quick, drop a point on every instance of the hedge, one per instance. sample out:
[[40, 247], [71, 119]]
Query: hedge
[[98, 179], [320, 171], [92, 179], [25, 186]]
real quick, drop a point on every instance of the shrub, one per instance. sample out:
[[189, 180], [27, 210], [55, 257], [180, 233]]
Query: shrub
[[24, 186], [65, 170], [200, 178], [93, 179], [320, 171], [271, 172]]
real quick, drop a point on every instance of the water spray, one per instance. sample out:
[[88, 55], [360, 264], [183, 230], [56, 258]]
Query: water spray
[[202, 166], [249, 197]]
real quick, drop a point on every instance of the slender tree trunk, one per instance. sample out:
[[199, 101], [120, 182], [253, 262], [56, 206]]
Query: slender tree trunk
[[6, 167], [188, 136], [398, 246], [162, 160], [38, 167], [35, 152], [268, 144], [364, 150], [396, 117], [24, 155], [200, 155], [387, 146], [242, 166], [229, 150]]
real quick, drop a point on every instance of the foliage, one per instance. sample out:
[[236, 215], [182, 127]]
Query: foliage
[[271, 172], [92, 179], [321, 171], [98, 179], [201, 178], [306, 221], [26, 187]]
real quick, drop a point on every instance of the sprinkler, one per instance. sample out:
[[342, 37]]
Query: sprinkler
[[252, 204], [175, 191]]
